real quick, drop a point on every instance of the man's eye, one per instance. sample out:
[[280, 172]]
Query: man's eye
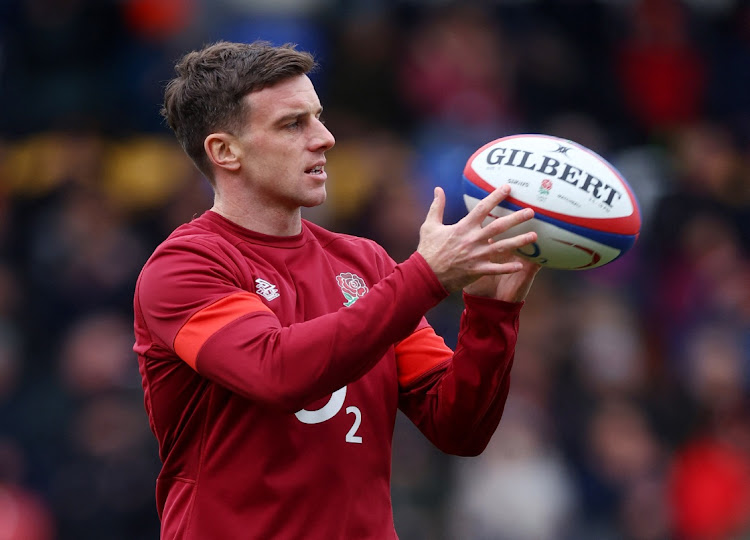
[[293, 125]]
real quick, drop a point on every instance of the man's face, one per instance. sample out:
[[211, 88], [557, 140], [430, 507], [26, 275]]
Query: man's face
[[283, 146]]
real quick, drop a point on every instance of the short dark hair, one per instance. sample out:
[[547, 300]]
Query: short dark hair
[[206, 95]]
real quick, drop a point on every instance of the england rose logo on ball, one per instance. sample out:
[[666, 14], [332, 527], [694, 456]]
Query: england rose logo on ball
[[544, 189], [546, 186], [352, 286]]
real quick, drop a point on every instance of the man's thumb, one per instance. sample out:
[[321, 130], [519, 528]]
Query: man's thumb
[[437, 208]]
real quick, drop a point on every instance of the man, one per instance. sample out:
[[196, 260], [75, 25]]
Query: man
[[274, 354]]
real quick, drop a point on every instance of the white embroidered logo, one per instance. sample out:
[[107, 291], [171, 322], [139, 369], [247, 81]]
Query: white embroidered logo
[[266, 290]]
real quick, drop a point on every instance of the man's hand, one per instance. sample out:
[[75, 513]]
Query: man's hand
[[508, 287], [462, 253]]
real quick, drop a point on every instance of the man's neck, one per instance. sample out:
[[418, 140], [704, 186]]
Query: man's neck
[[260, 218]]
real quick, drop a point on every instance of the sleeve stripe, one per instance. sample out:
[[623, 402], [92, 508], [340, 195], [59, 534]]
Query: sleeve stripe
[[209, 320], [419, 353]]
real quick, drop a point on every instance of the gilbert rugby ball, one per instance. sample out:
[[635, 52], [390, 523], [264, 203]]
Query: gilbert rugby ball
[[585, 214]]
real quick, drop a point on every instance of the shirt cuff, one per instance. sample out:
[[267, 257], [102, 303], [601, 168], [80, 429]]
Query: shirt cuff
[[491, 308], [426, 272]]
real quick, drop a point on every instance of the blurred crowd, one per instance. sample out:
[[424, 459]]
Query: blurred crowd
[[628, 417]]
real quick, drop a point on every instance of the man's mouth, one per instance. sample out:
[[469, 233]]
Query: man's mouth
[[317, 169]]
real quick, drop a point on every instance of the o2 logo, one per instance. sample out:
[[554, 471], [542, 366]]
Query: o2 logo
[[329, 410]]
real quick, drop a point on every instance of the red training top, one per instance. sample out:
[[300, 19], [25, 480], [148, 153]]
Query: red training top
[[273, 368]]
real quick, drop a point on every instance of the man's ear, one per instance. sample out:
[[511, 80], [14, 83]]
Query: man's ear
[[222, 150]]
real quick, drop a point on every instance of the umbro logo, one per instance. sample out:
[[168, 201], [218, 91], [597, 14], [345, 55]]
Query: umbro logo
[[266, 290]]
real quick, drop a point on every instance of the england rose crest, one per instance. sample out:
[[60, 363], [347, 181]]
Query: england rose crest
[[352, 286], [544, 189]]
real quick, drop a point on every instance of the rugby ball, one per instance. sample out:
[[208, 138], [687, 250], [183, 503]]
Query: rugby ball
[[585, 213]]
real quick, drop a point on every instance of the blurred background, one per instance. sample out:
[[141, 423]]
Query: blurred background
[[628, 415]]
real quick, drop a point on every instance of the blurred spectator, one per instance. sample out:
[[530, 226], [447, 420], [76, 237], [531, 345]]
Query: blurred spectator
[[623, 475], [710, 491], [662, 71], [457, 69], [362, 89], [103, 479], [95, 358], [82, 257], [23, 515], [563, 58], [610, 353], [519, 488], [716, 369]]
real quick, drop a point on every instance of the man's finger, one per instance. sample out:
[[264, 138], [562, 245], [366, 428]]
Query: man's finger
[[508, 245], [496, 269], [437, 208], [502, 224], [485, 206]]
